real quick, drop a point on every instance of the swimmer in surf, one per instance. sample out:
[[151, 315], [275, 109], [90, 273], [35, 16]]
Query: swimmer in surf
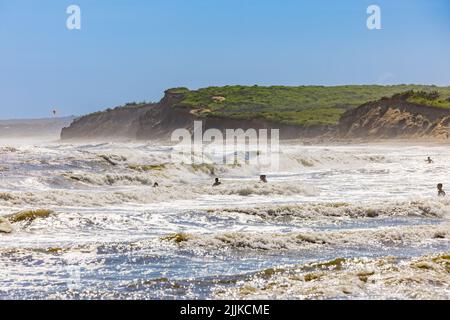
[[441, 192], [217, 183]]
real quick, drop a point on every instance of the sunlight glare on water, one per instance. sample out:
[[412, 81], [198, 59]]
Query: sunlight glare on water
[[110, 234]]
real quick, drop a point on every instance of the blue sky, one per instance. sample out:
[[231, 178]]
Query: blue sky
[[134, 50]]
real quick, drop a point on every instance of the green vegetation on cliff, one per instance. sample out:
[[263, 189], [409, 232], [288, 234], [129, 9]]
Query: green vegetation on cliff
[[304, 105], [435, 98]]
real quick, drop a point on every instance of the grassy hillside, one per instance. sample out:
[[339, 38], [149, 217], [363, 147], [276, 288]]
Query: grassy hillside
[[428, 98], [305, 105]]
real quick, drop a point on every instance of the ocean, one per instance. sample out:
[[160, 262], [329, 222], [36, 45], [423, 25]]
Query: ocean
[[333, 222]]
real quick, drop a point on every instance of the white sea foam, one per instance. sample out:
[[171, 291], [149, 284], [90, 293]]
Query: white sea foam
[[322, 202], [358, 278], [405, 236], [338, 211]]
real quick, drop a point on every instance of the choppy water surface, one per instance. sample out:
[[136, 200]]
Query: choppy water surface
[[334, 222]]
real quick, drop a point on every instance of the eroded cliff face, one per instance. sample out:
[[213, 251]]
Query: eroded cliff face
[[158, 121], [118, 124], [383, 119], [395, 118], [161, 121]]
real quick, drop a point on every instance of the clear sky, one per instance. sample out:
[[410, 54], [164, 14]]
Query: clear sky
[[133, 50]]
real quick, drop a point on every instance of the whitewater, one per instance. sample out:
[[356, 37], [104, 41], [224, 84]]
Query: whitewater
[[333, 222]]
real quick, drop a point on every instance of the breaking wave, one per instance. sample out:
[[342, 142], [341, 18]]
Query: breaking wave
[[421, 278], [390, 236], [163, 193], [338, 211]]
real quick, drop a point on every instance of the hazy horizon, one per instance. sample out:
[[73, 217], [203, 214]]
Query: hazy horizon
[[62, 117], [38, 119]]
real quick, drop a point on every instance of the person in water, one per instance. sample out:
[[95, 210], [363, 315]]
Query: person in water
[[156, 185], [217, 183], [263, 178], [429, 160], [441, 192]]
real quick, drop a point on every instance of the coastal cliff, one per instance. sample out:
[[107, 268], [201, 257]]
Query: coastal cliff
[[158, 121], [396, 117], [121, 123], [170, 114], [325, 113]]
